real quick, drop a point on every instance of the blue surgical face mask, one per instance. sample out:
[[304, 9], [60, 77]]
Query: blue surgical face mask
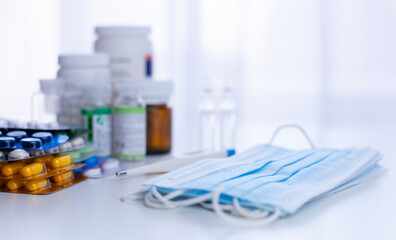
[[265, 182], [204, 167]]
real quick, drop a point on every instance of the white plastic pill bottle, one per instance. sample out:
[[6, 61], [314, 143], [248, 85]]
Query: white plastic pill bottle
[[129, 127], [130, 51], [77, 71]]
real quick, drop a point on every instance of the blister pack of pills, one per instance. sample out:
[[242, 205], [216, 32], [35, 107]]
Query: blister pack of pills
[[32, 127], [41, 186], [40, 175], [76, 147], [80, 154], [40, 159], [40, 167], [19, 139]]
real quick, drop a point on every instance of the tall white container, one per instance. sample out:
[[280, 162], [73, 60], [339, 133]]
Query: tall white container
[[130, 52], [77, 71]]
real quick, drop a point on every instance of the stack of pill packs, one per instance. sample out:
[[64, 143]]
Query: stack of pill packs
[[41, 161], [80, 150]]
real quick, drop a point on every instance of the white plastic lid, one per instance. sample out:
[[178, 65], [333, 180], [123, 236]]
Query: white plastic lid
[[92, 172], [157, 89], [122, 31], [49, 86], [110, 164], [88, 60]]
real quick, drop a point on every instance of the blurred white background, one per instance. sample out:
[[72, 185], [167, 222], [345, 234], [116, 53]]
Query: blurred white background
[[327, 65]]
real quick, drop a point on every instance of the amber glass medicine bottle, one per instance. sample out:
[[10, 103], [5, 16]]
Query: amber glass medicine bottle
[[159, 116]]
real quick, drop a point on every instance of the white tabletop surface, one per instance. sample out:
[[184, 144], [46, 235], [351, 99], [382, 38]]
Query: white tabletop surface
[[93, 210]]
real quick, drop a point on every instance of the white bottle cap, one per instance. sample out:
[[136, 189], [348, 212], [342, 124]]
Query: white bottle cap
[[157, 91], [122, 31], [110, 164], [92, 172], [88, 60]]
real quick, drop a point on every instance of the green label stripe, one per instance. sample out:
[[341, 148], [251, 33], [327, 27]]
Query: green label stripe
[[85, 112], [119, 155], [103, 111], [130, 110]]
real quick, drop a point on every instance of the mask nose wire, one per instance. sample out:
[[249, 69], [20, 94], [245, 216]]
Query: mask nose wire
[[296, 126]]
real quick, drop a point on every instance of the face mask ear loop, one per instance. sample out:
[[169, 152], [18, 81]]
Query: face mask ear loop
[[150, 201], [173, 194], [237, 220], [165, 199], [155, 200], [256, 213], [291, 126]]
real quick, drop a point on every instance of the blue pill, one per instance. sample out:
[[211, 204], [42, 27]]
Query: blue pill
[[7, 142], [31, 143], [46, 137], [90, 162], [18, 135]]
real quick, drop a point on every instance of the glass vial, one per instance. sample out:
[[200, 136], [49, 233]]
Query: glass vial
[[228, 119], [129, 128], [208, 120]]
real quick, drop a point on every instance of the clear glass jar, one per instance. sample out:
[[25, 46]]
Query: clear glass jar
[[129, 128], [46, 103]]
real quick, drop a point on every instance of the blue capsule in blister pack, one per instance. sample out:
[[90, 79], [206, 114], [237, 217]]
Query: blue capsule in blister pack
[[31, 143], [7, 142], [18, 135], [38, 140], [45, 137]]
